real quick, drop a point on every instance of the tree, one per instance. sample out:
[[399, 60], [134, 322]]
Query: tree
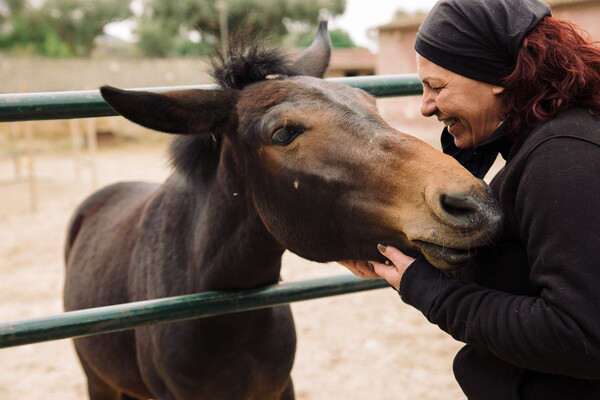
[[339, 39], [20, 29], [79, 22], [166, 24], [58, 27]]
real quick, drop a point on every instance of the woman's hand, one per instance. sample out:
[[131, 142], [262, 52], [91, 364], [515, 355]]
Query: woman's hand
[[392, 273]]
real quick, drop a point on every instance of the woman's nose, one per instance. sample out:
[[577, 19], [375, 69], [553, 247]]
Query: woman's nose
[[428, 107]]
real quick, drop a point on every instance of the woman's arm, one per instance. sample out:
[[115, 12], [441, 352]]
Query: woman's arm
[[558, 209]]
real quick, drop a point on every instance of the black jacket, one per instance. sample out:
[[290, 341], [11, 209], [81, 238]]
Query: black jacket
[[529, 306]]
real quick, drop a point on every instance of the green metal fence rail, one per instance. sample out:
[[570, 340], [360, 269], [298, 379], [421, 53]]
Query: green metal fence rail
[[127, 316], [87, 104]]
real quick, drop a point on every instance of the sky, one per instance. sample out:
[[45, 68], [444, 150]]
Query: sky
[[360, 16]]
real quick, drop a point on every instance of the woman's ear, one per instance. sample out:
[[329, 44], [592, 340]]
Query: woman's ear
[[496, 90]]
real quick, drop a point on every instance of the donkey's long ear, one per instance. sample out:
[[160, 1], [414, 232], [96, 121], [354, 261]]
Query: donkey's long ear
[[315, 59], [181, 111]]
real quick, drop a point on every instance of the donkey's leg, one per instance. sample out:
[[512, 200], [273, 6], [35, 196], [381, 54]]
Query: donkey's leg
[[97, 388], [125, 397], [288, 393]]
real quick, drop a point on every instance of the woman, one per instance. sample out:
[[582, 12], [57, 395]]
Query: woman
[[506, 77]]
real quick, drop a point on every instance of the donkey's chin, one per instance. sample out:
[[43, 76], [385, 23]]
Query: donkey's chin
[[445, 258]]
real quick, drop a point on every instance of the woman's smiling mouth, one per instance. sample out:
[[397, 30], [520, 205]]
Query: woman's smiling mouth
[[449, 122]]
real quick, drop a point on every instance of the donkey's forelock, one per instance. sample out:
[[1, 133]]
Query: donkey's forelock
[[244, 63]]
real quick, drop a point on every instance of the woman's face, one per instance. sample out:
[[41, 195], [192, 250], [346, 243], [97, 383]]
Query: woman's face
[[471, 109]]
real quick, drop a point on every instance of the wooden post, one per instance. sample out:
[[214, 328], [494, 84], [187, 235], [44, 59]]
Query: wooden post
[[30, 154], [30, 151], [92, 149], [15, 131], [75, 145]]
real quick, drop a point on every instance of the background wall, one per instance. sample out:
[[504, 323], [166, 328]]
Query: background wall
[[43, 74]]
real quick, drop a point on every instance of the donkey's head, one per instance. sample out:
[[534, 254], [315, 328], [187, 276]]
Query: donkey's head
[[326, 175]]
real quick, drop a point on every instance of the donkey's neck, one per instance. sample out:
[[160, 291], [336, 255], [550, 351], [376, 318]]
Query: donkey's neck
[[232, 248]]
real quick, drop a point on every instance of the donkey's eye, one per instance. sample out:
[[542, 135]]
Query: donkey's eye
[[286, 135]]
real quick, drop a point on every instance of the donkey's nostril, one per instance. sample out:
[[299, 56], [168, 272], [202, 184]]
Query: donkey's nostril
[[461, 206]]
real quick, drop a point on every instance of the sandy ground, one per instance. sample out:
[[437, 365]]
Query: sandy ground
[[357, 346]]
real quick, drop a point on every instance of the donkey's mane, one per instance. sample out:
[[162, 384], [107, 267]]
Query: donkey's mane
[[242, 64], [245, 63]]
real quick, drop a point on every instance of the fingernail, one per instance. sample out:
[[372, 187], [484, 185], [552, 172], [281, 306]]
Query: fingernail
[[381, 248]]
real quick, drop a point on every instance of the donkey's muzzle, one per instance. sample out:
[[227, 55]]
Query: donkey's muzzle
[[467, 219], [468, 210]]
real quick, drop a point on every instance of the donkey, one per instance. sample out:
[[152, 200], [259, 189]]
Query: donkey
[[275, 159]]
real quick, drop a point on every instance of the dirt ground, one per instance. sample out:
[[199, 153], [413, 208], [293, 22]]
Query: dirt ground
[[356, 346]]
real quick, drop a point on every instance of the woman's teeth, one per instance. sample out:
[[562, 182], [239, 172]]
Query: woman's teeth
[[449, 122]]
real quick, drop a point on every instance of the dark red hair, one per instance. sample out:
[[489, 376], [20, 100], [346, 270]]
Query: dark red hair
[[557, 67]]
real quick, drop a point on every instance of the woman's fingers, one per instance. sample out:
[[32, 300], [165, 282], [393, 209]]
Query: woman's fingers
[[398, 258], [360, 268], [391, 272]]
